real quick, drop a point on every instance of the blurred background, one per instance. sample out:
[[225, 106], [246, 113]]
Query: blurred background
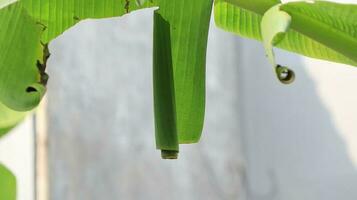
[[262, 140]]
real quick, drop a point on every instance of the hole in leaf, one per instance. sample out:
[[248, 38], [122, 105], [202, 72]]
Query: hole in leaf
[[31, 89]]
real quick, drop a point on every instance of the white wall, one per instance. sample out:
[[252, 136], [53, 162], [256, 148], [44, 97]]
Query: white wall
[[297, 139]]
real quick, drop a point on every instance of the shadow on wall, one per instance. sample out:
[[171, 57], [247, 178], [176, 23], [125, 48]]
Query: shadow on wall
[[292, 148]]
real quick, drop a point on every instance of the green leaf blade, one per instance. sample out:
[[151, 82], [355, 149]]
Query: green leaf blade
[[19, 51], [9, 119], [189, 23], [7, 184], [59, 16], [164, 90], [247, 24], [331, 24]]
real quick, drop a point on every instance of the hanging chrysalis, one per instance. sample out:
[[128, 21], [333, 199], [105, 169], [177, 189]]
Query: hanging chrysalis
[[274, 25]]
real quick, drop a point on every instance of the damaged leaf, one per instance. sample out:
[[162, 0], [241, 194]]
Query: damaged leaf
[[274, 25], [20, 48]]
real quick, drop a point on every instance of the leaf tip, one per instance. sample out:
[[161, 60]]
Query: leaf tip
[[169, 154]]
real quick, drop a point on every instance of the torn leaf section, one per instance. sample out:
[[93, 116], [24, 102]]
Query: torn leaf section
[[7, 184], [274, 25], [20, 87], [42, 64], [59, 16]]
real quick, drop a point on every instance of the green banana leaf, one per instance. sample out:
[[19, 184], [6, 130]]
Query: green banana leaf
[[164, 91], [330, 24], [28, 25], [42, 21], [184, 24], [322, 30], [20, 49], [189, 22], [9, 119], [58, 16], [7, 184]]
